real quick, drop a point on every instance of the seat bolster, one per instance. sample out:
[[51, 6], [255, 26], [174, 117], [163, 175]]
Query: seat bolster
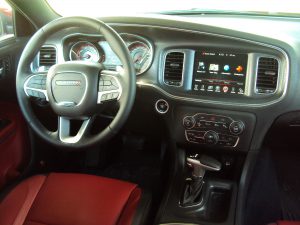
[[16, 205], [129, 210], [283, 222]]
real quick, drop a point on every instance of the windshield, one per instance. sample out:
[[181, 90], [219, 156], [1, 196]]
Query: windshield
[[100, 8]]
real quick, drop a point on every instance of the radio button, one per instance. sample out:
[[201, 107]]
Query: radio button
[[189, 122], [208, 124], [217, 125], [199, 123]]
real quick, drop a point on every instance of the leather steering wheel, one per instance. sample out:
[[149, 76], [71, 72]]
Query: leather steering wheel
[[76, 90]]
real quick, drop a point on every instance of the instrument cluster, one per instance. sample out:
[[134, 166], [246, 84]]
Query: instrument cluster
[[97, 49]]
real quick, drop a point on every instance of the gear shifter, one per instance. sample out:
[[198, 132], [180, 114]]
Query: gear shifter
[[193, 188]]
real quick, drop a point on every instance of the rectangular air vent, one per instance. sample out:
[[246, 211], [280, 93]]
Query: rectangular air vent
[[47, 56], [173, 71], [267, 75]]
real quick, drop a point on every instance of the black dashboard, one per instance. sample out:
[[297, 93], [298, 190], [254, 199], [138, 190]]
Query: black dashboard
[[214, 83]]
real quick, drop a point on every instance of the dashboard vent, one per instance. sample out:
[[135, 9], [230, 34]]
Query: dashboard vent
[[47, 56], [173, 72], [267, 75]]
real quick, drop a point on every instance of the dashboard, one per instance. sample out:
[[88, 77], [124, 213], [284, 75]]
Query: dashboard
[[213, 83]]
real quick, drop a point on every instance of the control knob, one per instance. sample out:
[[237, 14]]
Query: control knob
[[189, 122], [211, 137], [237, 127]]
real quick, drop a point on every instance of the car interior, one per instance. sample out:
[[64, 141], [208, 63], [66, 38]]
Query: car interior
[[176, 117]]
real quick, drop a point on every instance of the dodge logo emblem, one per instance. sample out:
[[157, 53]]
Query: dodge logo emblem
[[68, 82]]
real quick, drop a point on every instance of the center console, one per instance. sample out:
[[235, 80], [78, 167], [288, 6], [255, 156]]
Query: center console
[[209, 97], [211, 129]]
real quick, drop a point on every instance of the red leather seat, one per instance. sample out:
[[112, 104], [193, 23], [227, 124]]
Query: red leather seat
[[286, 223], [70, 199]]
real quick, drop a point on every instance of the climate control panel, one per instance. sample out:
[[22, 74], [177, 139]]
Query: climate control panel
[[211, 129]]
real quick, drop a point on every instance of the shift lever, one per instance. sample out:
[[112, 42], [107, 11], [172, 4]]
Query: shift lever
[[201, 165], [194, 186]]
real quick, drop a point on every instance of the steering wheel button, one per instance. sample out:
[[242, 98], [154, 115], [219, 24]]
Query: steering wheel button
[[41, 95], [114, 82], [106, 88], [29, 92], [113, 88], [35, 94], [110, 96], [115, 95], [107, 83], [103, 97]]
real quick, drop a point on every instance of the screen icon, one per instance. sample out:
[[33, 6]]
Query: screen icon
[[225, 89], [214, 67], [241, 91], [196, 87], [201, 66], [239, 69], [226, 68], [210, 88]]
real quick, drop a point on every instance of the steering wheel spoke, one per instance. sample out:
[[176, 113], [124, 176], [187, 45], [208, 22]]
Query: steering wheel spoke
[[64, 130], [35, 86], [110, 87]]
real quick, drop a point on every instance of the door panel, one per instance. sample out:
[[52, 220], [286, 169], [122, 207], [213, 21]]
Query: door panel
[[14, 138], [14, 144]]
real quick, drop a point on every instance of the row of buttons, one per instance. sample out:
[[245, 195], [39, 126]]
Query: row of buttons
[[35, 93], [109, 96], [108, 83], [201, 121], [209, 124], [219, 89], [37, 82], [207, 121], [201, 137], [227, 140]]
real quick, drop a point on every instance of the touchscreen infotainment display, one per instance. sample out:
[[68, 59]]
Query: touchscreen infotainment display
[[219, 72]]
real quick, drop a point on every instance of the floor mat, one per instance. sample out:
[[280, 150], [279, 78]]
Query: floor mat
[[146, 176], [288, 172]]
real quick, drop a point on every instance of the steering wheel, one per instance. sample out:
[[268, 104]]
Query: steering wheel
[[76, 90]]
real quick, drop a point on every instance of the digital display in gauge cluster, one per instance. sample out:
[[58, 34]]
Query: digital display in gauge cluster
[[110, 57], [219, 72]]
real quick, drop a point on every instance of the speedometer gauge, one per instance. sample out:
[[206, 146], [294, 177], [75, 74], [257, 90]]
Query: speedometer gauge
[[86, 51], [141, 55]]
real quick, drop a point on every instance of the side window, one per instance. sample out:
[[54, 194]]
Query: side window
[[6, 20]]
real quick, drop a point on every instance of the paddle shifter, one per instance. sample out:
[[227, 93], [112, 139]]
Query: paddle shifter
[[193, 188]]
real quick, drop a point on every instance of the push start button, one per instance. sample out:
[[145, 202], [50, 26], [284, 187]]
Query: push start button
[[162, 106]]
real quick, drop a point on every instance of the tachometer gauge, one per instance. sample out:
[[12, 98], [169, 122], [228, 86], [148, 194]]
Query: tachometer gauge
[[86, 51], [141, 55]]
